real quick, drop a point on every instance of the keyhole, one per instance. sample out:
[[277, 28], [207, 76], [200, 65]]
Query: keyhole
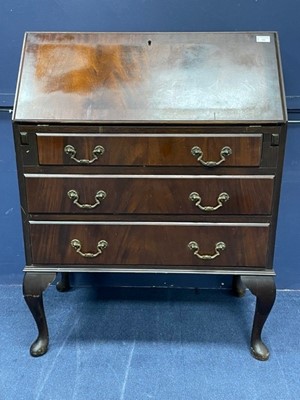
[[149, 42]]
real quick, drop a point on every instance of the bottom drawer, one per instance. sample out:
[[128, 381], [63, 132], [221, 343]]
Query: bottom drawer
[[177, 245]]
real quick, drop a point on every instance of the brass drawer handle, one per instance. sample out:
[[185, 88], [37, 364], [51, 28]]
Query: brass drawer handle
[[197, 152], [194, 247], [70, 151], [76, 244], [222, 198], [74, 196]]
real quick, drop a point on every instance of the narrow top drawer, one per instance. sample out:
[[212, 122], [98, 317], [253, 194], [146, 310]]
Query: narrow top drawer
[[204, 150]]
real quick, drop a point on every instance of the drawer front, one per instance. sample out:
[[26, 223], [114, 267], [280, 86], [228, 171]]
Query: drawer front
[[104, 194], [193, 245], [149, 150]]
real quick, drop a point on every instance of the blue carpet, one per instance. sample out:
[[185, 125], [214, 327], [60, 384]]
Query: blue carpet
[[140, 344]]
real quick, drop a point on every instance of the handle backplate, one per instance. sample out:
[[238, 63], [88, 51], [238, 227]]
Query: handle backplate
[[101, 245], [198, 153], [74, 196], [71, 152], [222, 198], [194, 247]]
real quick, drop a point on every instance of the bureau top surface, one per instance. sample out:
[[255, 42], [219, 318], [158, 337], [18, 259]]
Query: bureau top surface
[[150, 78]]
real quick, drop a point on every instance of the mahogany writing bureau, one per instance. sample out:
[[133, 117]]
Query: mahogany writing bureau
[[150, 152]]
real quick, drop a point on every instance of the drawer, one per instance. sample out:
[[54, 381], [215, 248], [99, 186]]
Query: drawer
[[179, 245], [148, 194], [149, 150]]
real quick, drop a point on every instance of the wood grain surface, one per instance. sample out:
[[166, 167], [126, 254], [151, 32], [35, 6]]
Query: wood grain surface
[[153, 244], [149, 77], [151, 151], [150, 195]]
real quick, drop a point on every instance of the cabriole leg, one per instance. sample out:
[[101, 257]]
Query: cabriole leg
[[33, 286], [238, 287], [263, 287], [64, 284]]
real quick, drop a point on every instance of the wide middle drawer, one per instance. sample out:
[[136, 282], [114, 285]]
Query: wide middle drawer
[[149, 194]]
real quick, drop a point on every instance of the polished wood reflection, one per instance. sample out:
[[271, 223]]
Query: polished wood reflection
[[158, 77], [170, 195], [156, 245], [151, 151]]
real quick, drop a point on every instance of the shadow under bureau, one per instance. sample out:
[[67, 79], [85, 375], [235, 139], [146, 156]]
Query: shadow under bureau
[[150, 152]]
